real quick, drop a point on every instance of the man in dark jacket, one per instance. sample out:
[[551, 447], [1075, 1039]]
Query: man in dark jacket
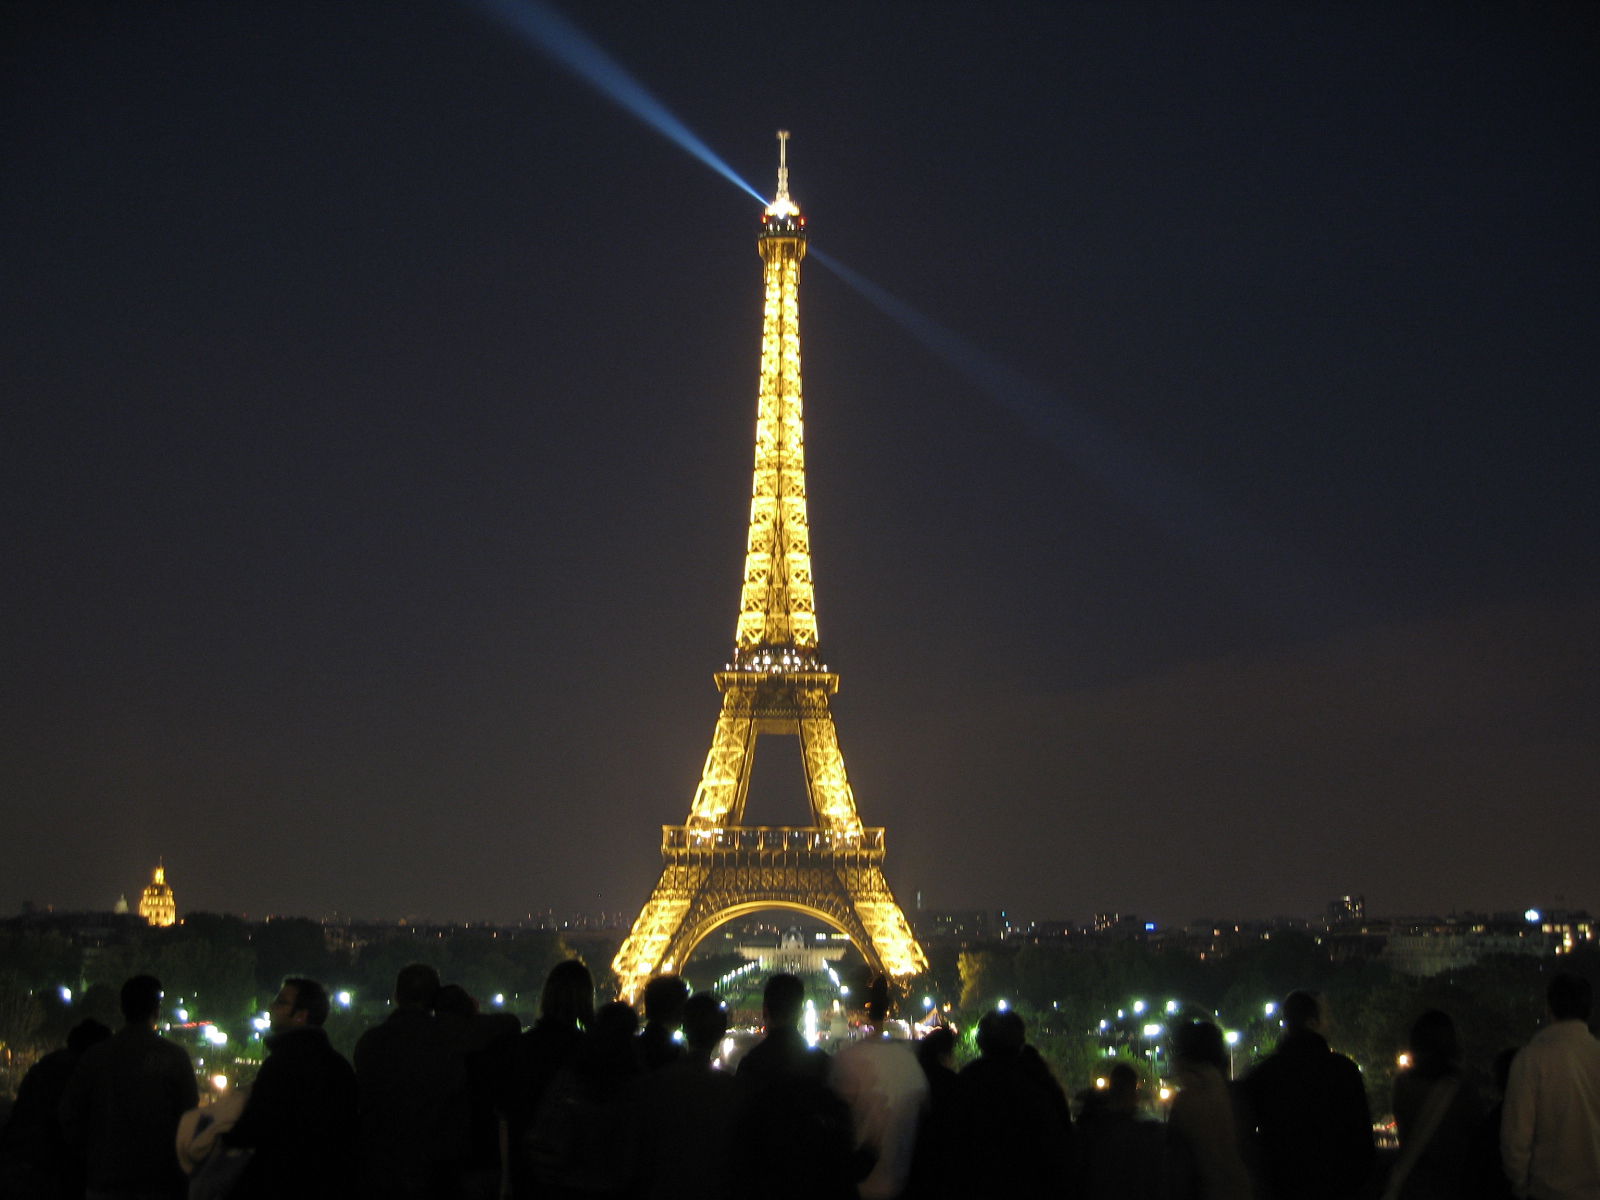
[[1015, 1123], [1308, 1108], [414, 1107], [122, 1104], [783, 1054], [792, 1132], [301, 1117], [34, 1158]]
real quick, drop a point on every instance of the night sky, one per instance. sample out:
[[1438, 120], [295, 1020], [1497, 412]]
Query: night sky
[[1217, 536]]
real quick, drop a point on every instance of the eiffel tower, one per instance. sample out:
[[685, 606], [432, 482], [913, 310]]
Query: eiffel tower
[[717, 867]]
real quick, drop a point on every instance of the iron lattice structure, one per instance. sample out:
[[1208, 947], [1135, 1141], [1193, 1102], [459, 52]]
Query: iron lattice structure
[[717, 867]]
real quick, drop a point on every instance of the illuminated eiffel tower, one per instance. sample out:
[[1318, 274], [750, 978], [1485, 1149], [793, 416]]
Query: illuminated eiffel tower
[[717, 867]]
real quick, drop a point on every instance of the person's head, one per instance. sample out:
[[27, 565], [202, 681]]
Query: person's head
[[141, 1000], [782, 1000], [1200, 1042], [615, 1021], [876, 1004], [1001, 1034], [299, 1001], [1433, 1044], [568, 996], [664, 998], [938, 1049], [1570, 997], [705, 1021], [87, 1032], [1301, 1011], [1122, 1089], [416, 986], [453, 1000]]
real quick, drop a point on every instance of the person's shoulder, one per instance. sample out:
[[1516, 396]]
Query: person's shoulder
[[171, 1050]]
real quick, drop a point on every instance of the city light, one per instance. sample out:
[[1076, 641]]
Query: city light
[[1271, 1007], [1231, 1037], [66, 994], [1152, 1031], [1138, 1008], [220, 1082], [1002, 1006], [344, 999]]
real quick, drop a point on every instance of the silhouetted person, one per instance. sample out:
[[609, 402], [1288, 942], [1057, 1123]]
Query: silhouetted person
[[300, 1120], [882, 1082], [782, 1052], [122, 1104], [792, 1133], [664, 998], [581, 1136], [1204, 1151], [1486, 1172], [1550, 1128], [1436, 1112], [1016, 1125], [686, 1113], [413, 1092], [1119, 1151], [566, 1009], [485, 1042], [933, 1162], [35, 1162], [1308, 1107]]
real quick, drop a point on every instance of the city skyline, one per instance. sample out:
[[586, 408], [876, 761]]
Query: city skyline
[[1210, 533]]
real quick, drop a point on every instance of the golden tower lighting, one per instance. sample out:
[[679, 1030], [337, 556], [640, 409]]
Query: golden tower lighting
[[717, 867]]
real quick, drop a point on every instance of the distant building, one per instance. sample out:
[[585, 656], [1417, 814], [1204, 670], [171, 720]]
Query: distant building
[[795, 954], [157, 905], [1347, 909], [1428, 952], [962, 926]]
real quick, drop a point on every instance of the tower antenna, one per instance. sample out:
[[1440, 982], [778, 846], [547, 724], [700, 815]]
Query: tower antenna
[[783, 165]]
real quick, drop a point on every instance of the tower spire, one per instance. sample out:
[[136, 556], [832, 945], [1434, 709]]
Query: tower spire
[[782, 204]]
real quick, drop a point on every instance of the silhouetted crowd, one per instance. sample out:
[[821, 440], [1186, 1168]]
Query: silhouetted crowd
[[445, 1102]]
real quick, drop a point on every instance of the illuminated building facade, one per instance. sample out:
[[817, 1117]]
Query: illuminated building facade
[[717, 867], [156, 904]]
